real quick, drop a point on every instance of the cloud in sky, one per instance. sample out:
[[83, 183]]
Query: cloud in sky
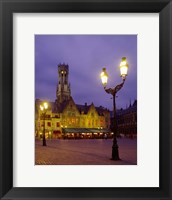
[[86, 55]]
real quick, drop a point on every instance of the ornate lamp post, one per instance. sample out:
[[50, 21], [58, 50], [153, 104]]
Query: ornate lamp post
[[43, 108], [113, 91]]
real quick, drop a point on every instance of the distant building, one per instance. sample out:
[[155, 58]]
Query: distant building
[[66, 119], [127, 121]]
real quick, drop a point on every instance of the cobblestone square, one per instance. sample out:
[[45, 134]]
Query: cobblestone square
[[85, 152]]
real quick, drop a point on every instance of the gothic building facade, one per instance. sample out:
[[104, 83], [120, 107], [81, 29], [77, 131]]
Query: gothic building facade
[[127, 121], [66, 119]]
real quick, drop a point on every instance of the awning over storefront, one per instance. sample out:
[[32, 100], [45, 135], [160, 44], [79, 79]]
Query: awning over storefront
[[85, 130]]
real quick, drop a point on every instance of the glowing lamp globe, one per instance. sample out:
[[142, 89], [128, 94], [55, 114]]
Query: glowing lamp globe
[[44, 106], [104, 76], [41, 107], [123, 67]]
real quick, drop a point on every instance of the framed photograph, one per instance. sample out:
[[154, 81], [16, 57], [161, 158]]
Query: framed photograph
[[85, 99], [79, 108]]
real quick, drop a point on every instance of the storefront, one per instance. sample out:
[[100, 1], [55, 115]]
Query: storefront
[[57, 134], [85, 133]]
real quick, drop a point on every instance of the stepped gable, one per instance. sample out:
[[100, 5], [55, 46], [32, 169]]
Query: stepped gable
[[83, 108], [101, 110]]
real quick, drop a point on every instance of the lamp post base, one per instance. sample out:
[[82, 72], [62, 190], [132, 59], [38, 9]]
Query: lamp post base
[[44, 143], [115, 153]]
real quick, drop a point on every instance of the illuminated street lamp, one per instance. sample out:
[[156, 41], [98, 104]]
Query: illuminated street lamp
[[104, 77], [113, 91], [43, 108], [123, 68]]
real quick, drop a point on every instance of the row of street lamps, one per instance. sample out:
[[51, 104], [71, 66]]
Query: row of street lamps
[[113, 91]]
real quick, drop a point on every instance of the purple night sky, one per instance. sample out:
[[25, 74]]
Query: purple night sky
[[86, 55]]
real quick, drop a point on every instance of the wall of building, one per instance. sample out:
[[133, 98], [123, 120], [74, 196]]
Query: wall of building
[[69, 118], [127, 121]]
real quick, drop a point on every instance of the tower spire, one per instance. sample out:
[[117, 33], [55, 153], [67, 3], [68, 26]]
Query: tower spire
[[63, 87], [130, 102]]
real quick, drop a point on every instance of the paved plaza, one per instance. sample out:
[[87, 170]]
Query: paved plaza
[[85, 152]]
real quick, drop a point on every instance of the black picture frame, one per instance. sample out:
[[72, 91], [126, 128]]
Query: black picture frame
[[7, 8]]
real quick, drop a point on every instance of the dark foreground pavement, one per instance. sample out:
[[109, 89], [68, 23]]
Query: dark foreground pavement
[[85, 152]]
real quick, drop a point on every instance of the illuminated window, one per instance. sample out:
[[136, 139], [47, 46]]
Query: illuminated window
[[58, 124], [49, 124], [69, 122], [101, 122], [73, 120], [69, 113]]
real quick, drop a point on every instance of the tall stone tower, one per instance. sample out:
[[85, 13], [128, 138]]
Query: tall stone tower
[[63, 86]]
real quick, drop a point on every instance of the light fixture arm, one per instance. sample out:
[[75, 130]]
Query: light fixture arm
[[113, 91]]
